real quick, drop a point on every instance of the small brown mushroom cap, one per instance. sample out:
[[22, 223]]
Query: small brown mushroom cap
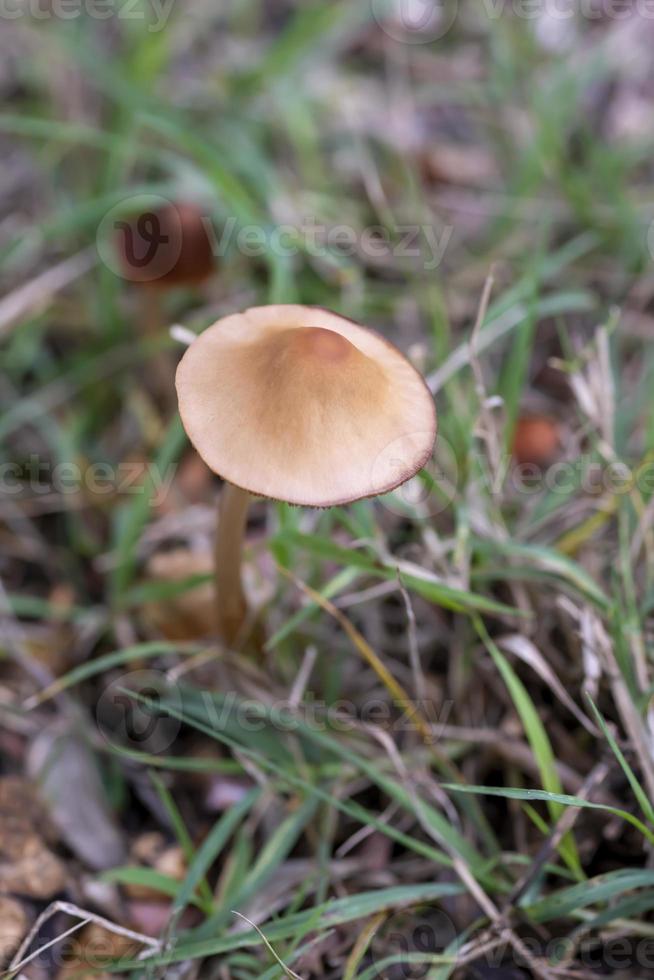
[[536, 439], [166, 247], [299, 404]]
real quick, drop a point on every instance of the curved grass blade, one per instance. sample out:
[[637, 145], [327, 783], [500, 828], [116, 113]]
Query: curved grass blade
[[564, 799]]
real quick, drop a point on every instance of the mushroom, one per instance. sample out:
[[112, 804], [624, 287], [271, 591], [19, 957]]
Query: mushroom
[[300, 405], [162, 249], [536, 439]]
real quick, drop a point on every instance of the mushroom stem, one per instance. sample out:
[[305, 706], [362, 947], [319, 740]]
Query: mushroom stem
[[231, 606]]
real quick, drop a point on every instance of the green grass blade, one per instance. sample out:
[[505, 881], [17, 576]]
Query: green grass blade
[[640, 794], [564, 799], [536, 736]]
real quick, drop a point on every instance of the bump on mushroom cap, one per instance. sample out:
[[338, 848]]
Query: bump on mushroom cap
[[299, 404]]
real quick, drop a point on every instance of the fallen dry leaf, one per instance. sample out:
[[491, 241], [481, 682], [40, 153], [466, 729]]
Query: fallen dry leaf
[[13, 927], [151, 918], [455, 163], [172, 862], [225, 791], [27, 865], [146, 848], [190, 614], [52, 646], [93, 948], [22, 810], [71, 784], [152, 851], [30, 869]]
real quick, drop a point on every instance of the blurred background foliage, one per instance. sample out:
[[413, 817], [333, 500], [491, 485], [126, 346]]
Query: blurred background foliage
[[381, 160]]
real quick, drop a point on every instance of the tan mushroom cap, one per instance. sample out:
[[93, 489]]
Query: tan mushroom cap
[[299, 404]]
